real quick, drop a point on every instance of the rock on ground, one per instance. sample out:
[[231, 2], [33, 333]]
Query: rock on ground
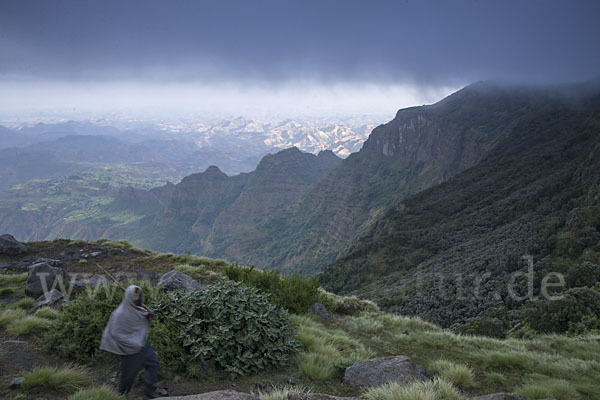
[[42, 275], [217, 395], [176, 279], [11, 246], [16, 382], [379, 371], [316, 396], [320, 311], [48, 299], [500, 396]]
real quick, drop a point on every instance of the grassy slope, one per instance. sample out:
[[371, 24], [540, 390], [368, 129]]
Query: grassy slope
[[551, 366]]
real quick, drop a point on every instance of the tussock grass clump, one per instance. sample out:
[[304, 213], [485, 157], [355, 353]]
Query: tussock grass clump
[[458, 374], [7, 317], [339, 348], [545, 388], [115, 244], [438, 389], [183, 259], [103, 392], [24, 304], [496, 378], [47, 313], [12, 279], [28, 326], [316, 366], [347, 305], [67, 379], [11, 285], [365, 324], [281, 392], [200, 272]]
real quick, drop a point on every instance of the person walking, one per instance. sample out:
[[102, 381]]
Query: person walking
[[126, 335]]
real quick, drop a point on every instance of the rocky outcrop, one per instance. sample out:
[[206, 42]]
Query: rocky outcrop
[[218, 395], [379, 371], [175, 279], [11, 246], [42, 276], [320, 311]]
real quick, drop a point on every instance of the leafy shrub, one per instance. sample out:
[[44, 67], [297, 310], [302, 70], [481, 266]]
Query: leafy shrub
[[584, 274], [78, 329], [294, 293], [492, 323], [577, 312], [232, 325]]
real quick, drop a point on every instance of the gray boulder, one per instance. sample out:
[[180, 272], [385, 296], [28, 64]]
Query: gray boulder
[[176, 279], [500, 396], [42, 275], [379, 371], [320, 311], [97, 280], [217, 395], [16, 382], [11, 246], [48, 299]]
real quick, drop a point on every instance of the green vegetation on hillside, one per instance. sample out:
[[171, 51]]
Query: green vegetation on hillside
[[450, 253], [543, 366]]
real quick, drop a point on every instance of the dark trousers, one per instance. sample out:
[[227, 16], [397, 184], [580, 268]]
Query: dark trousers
[[132, 364]]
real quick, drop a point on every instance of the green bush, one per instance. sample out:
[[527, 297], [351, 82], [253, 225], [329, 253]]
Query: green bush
[[584, 274], [492, 323], [78, 329], [577, 312], [294, 293], [235, 326]]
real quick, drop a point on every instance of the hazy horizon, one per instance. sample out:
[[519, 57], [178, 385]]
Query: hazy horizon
[[280, 58]]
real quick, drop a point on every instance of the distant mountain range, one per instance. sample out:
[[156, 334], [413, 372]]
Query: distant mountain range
[[464, 187]]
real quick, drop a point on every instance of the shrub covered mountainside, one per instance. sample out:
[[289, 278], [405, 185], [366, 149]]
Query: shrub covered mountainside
[[419, 148], [447, 253]]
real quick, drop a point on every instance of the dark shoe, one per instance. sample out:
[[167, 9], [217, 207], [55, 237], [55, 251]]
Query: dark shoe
[[153, 395]]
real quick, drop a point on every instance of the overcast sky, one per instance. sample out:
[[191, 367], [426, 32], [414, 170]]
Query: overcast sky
[[289, 54]]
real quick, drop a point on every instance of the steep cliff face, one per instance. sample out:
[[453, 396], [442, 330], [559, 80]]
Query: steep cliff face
[[447, 253], [278, 182], [420, 147]]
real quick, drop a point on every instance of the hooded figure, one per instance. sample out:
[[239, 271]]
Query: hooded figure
[[126, 335]]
